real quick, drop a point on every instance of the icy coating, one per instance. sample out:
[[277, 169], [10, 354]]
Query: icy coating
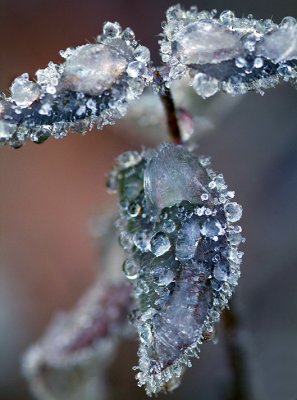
[[176, 227], [227, 53], [92, 87]]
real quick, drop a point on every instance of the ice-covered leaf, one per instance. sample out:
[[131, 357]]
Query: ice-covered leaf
[[70, 360], [176, 228], [92, 87], [227, 53]]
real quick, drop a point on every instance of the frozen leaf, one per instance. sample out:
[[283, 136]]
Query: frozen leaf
[[185, 254], [92, 87], [227, 53]]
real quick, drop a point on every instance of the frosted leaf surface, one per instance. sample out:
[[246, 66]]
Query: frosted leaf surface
[[94, 68], [204, 42], [185, 249], [92, 87], [227, 53], [280, 45]]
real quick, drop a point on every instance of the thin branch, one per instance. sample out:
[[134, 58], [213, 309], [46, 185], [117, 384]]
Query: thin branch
[[171, 115]]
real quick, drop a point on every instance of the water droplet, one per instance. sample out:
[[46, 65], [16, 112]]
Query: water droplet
[[45, 109], [169, 226], [204, 85], [130, 269], [142, 54], [233, 211], [112, 29], [160, 244], [23, 91], [258, 62]]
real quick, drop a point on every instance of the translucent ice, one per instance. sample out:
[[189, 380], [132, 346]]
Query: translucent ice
[[204, 42], [93, 68]]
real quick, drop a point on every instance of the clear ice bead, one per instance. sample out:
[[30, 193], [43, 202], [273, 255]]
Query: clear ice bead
[[130, 269], [111, 29], [160, 244], [233, 211], [24, 92], [205, 85]]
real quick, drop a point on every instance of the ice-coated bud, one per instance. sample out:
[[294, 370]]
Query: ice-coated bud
[[172, 176], [94, 68], [23, 91], [204, 42]]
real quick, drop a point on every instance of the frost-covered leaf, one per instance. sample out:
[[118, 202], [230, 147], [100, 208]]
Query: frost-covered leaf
[[92, 87], [176, 227], [227, 53], [70, 360]]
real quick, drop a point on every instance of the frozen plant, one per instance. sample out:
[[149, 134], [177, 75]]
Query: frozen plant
[[177, 219]]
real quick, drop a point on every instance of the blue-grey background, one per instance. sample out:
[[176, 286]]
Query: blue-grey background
[[49, 192]]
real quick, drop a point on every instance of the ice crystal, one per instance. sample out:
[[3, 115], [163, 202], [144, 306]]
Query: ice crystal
[[92, 87], [227, 53], [181, 255]]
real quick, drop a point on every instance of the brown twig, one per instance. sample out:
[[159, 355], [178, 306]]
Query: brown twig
[[235, 352], [171, 115]]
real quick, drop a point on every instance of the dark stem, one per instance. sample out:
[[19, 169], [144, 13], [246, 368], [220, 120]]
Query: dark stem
[[236, 354], [171, 115]]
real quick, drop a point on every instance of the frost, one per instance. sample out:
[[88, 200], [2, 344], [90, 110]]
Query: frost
[[227, 53], [180, 250], [92, 87]]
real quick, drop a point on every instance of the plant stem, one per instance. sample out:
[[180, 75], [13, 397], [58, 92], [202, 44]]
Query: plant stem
[[235, 351], [171, 115]]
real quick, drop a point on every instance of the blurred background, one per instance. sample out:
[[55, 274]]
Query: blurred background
[[50, 193]]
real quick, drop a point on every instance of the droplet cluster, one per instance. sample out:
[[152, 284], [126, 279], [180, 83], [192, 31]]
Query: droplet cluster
[[177, 228], [227, 53], [92, 87]]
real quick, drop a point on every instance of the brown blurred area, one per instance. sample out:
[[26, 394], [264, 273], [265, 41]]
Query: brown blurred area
[[50, 192]]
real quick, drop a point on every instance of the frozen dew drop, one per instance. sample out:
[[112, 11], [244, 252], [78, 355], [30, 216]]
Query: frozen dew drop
[[111, 29], [258, 62], [24, 92], [45, 109], [221, 271], [205, 86], [240, 62], [233, 211], [212, 228], [169, 226], [135, 68], [142, 241], [226, 17], [142, 54], [48, 76], [130, 269], [134, 210], [160, 244], [128, 35]]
